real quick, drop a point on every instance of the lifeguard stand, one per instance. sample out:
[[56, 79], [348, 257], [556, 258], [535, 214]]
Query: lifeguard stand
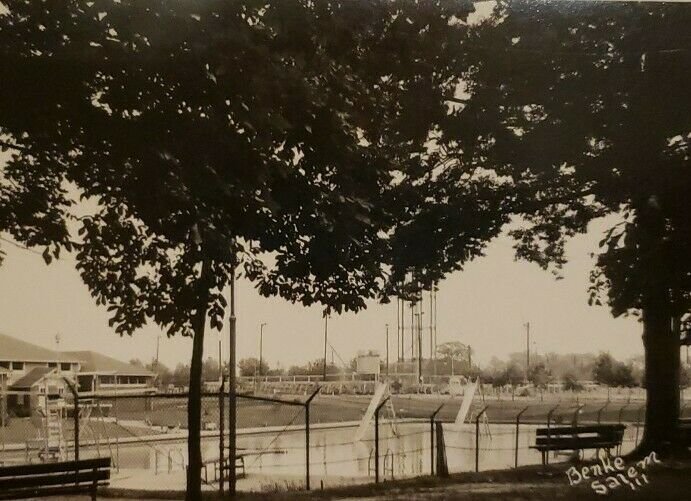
[[51, 410]]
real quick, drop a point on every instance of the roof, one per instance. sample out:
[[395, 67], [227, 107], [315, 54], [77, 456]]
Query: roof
[[12, 348], [32, 377], [92, 361]]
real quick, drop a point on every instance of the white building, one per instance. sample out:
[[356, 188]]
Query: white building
[[94, 372]]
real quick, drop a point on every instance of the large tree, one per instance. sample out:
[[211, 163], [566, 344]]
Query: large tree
[[584, 109], [288, 142]]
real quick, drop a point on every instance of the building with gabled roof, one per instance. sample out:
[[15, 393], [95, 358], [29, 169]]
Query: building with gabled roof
[[21, 362], [106, 375], [35, 388], [19, 357], [31, 378]]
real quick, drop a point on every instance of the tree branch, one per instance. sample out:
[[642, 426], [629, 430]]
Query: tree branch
[[456, 100], [5, 144]]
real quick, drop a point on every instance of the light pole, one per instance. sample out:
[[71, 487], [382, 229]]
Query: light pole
[[326, 337], [387, 350], [527, 350], [261, 346], [418, 317], [232, 380]]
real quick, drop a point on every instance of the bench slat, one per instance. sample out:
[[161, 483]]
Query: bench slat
[[571, 440], [82, 477], [575, 447], [48, 491], [64, 466], [564, 430], [582, 436]]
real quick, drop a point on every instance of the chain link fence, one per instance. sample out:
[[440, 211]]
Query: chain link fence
[[296, 439]]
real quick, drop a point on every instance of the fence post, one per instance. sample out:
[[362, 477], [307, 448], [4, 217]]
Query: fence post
[[599, 412], [75, 416], [518, 422], [477, 438], [574, 421], [221, 445], [621, 410], [307, 437], [549, 419], [431, 438], [376, 439]]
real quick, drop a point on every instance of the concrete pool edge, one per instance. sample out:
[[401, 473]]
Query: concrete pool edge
[[171, 437]]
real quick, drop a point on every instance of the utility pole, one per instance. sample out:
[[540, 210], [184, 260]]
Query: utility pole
[[398, 329], [261, 346], [419, 346], [158, 344], [220, 359], [527, 350], [326, 337], [57, 346], [413, 328], [155, 364], [387, 350], [403, 332], [431, 321], [232, 410], [434, 291]]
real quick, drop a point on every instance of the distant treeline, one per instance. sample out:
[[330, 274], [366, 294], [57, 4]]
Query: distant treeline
[[569, 369]]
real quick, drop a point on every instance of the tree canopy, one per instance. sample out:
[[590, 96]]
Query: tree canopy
[[611, 372], [172, 143], [585, 113]]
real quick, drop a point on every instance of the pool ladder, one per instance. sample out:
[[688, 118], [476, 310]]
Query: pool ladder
[[170, 460], [387, 466]]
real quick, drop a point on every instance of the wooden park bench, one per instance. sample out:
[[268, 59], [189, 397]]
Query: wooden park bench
[[46, 479], [578, 438]]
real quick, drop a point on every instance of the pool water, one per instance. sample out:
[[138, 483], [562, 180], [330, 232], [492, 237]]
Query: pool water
[[335, 457]]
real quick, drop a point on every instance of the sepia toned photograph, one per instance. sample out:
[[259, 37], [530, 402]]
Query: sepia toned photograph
[[345, 250]]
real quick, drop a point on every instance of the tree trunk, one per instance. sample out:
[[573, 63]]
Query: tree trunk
[[194, 400], [661, 378], [660, 342]]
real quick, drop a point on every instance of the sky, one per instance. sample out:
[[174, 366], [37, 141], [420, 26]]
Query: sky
[[486, 305]]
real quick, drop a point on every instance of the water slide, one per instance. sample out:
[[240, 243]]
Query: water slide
[[380, 393], [468, 395]]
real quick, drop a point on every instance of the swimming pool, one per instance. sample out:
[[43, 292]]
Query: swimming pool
[[277, 456]]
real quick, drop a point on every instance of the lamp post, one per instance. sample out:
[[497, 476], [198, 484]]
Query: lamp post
[[418, 318], [387, 350], [261, 346], [527, 350], [326, 337]]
